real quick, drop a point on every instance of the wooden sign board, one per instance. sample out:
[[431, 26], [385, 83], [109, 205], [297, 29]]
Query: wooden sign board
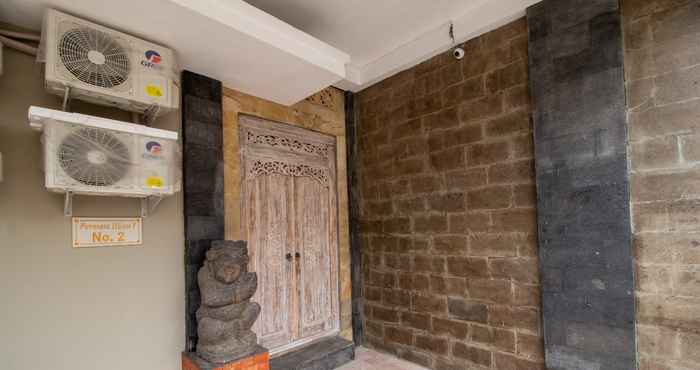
[[106, 232]]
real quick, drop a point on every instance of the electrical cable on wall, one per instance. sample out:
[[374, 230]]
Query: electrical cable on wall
[[457, 52]]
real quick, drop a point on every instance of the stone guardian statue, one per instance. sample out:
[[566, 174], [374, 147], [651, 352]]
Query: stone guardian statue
[[226, 315]]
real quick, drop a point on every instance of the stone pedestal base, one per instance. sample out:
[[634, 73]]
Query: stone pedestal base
[[259, 360]]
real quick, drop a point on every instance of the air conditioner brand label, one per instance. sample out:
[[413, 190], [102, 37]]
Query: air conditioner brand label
[[153, 150], [152, 60], [153, 147]]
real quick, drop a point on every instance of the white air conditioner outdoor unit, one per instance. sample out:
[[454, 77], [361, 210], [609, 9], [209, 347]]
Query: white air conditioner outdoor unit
[[107, 67], [97, 156]]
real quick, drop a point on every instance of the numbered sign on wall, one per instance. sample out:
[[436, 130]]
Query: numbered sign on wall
[[106, 232]]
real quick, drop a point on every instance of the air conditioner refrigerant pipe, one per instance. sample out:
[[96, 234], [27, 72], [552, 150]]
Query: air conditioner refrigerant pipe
[[20, 35], [10, 43]]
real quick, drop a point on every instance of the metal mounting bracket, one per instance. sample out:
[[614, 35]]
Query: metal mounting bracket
[[68, 204], [66, 98], [149, 205]]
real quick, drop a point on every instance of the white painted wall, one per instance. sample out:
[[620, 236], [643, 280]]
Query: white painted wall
[[67, 309]]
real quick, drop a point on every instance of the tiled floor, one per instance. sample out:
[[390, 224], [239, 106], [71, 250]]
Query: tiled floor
[[366, 359]]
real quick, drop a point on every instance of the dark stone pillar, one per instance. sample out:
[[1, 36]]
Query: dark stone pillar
[[577, 83], [203, 174], [354, 217]]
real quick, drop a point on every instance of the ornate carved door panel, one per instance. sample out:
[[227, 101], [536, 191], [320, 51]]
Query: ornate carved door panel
[[268, 229], [290, 220]]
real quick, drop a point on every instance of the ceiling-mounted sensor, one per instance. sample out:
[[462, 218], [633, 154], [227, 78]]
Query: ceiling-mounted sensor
[[458, 53]]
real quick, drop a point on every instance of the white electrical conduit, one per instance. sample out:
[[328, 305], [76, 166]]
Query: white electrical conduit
[[20, 35], [10, 43]]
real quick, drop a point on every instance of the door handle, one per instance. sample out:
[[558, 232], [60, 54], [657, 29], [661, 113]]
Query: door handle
[[288, 256], [297, 255]]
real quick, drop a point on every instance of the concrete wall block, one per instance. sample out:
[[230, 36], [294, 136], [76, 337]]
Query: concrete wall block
[[479, 109], [656, 153], [494, 245], [686, 282], [472, 354], [689, 343], [432, 304], [661, 186], [676, 53], [467, 267], [482, 154], [511, 123], [466, 179], [640, 93], [516, 172], [452, 328], [470, 222], [672, 216], [637, 33], [495, 197], [690, 148], [450, 286], [678, 86], [453, 244], [510, 362], [521, 318], [491, 290], [470, 89], [676, 22], [668, 311], [522, 270], [677, 118], [516, 220], [464, 135]]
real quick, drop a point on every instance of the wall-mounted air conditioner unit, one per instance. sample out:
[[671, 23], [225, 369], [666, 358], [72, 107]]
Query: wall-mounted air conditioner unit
[[107, 67], [96, 156]]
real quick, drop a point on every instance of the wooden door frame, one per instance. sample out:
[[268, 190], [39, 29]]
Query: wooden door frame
[[313, 142]]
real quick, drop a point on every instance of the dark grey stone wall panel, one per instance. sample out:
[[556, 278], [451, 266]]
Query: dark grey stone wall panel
[[580, 128], [354, 217], [203, 182]]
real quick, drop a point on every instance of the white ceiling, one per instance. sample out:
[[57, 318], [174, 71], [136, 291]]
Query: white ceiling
[[300, 47], [386, 36], [367, 30]]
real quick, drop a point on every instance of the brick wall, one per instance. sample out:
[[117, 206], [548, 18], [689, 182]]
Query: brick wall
[[662, 41], [447, 203]]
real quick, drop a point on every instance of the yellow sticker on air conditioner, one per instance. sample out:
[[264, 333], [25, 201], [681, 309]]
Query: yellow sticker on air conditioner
[[153, 90], [154, 181]]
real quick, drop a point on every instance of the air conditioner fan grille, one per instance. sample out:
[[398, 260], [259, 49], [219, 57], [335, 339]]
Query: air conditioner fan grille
[[94, 157], [94, 57]]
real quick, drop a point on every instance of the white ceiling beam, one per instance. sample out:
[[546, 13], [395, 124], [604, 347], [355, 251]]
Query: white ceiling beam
[[228, 40]]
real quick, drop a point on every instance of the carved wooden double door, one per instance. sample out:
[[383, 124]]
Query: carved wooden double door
[[290, 222]]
